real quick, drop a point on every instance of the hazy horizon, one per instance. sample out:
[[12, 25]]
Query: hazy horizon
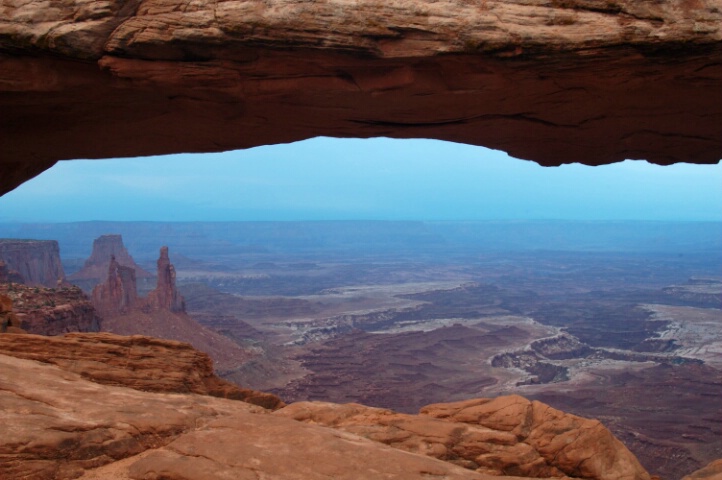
[[357, 179]]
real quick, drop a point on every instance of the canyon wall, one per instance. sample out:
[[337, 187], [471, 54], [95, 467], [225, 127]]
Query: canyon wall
[[37, 262], [48, 311], [557, 82]]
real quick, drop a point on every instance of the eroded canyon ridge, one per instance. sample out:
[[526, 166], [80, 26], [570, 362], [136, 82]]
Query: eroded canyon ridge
[[618, 322]]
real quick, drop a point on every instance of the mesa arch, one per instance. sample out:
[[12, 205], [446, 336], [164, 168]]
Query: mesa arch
[[554, 81]]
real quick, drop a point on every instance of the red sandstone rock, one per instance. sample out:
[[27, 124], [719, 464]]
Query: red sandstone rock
[[503, 436], [51, 311], [575, 81], [713, 471], [138, 362], [37, 262], [119, 293], [8, 320], [579, 447], [58, 425], [166, 296], [97, 265]]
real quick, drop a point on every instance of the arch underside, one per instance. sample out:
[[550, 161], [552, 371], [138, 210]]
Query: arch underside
[[551, 99]]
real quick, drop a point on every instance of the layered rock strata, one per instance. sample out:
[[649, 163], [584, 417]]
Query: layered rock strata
[[138, 362], [501, 436], [35, 262], [557, 82], [95, 431], [50, 311], [99, 406]]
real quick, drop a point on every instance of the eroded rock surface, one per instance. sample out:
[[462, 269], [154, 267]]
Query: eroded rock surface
[[50, 311], [502, 436], [59, 425], [557, 82], [36, 262], [713, 471], [119, 293], [142, 363]]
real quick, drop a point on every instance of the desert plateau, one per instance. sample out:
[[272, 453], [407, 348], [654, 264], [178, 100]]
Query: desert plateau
[[397, 316]]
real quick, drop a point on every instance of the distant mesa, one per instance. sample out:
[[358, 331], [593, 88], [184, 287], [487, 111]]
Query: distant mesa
[[95, 269], [32, 262]]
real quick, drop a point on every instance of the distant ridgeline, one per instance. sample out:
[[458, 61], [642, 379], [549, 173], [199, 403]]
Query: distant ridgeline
[[205, 240]]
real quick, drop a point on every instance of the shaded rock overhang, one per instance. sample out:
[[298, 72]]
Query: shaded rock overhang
[[554, 81]]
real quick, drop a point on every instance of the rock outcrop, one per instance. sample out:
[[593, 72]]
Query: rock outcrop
[[713, 471], [166, 296], [557, 82], [95, 269], [8, 321], [501, 436], [161, 314], [99, 406], [36, 262], [50, 311], [119, 293], [138, 362], [93, 431]]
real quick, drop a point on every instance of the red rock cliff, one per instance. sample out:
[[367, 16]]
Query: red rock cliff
[[50, 311], [119, 293], [36, 261], [554, 81]]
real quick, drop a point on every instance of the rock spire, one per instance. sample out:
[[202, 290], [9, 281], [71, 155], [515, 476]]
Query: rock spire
[[119, 293], [166, 296]]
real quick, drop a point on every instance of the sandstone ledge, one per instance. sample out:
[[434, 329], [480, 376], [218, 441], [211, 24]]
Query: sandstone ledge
[[139, 362]]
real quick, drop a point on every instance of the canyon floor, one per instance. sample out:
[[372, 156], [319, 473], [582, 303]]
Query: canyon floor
[[630, 341]]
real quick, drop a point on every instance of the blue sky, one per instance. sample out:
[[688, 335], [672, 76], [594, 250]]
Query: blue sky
[[334, 179]]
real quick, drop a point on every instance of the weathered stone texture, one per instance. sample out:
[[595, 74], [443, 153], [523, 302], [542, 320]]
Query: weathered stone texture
[[142, 363], [554, 81], [501, 436], [119, 293], [68, 412], [50, 311]]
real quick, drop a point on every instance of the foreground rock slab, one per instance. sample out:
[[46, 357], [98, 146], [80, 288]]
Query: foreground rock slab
[[713, 471], [503, 436], [58, 425]]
